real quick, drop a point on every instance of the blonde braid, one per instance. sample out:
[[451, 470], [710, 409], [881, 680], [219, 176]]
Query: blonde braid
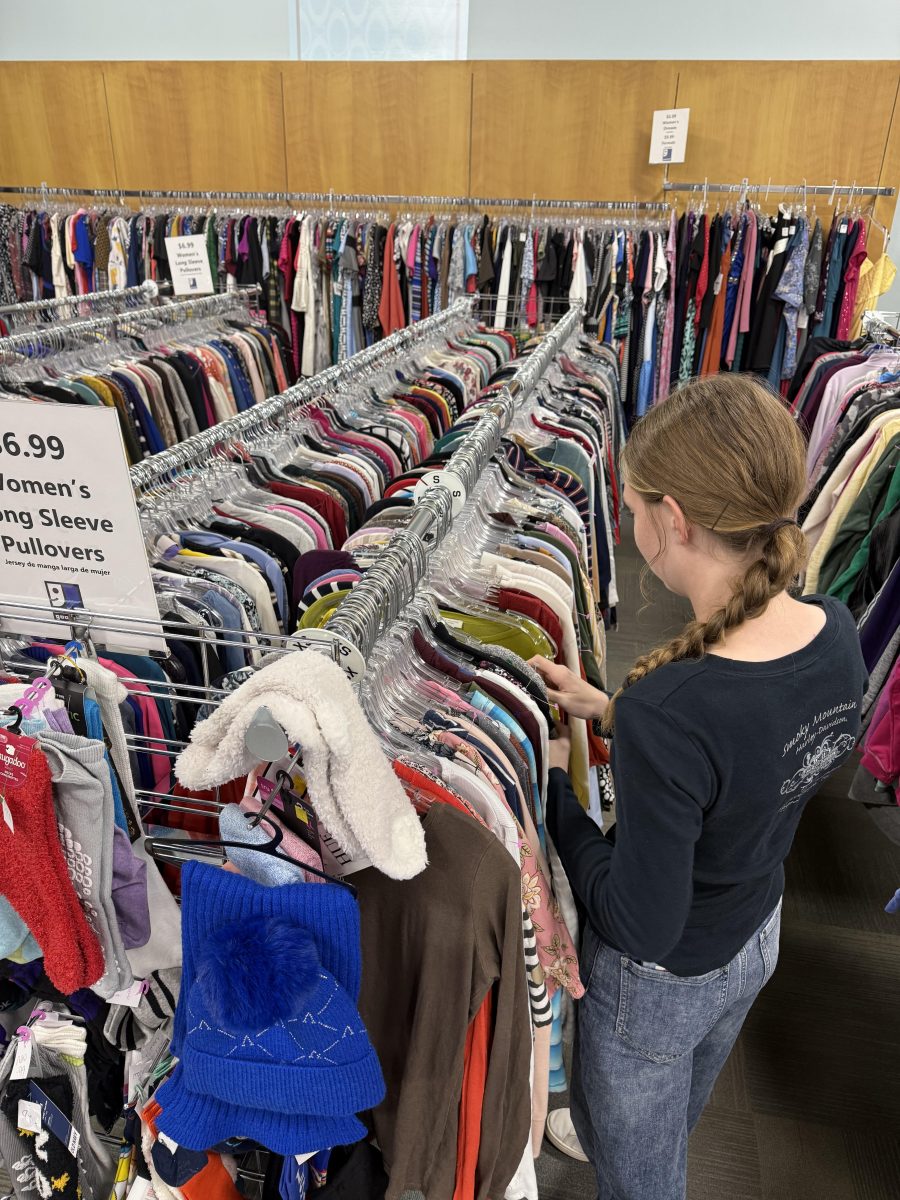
[[782, 556]]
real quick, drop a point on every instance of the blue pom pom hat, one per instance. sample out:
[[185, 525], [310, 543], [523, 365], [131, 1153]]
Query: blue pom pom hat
[[269, 1041]]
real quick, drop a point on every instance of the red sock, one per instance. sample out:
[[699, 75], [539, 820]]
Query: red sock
[[35, 879]]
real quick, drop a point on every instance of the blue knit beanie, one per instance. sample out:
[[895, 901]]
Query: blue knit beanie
[[270, 1043]]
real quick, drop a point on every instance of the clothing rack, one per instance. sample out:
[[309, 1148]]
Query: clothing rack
[[388, 584], [814, 189], [147, 291], [386, 587], [53, 338], [330, 197], [151, 473], [145, 475], [878, 327]]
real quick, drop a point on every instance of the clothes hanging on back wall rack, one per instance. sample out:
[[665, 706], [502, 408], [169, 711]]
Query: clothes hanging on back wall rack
[[336, 280], [739, 289], [455, 753]]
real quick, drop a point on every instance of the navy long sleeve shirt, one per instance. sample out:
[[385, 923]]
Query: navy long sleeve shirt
[[714, 760]]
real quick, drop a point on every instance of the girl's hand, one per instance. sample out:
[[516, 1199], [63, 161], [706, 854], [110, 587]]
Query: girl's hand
[[569, 691], [560, 748]]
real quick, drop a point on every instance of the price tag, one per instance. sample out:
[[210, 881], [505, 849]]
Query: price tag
[[138, 1189], [443, 479], [22, 1059], [130, 997], [53, 1119], [29, 1118]]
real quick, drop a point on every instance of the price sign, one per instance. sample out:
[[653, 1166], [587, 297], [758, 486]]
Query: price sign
[[668, 137], [189, 264], [70, 537]]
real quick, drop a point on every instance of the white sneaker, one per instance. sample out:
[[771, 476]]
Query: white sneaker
[[561, 1134]]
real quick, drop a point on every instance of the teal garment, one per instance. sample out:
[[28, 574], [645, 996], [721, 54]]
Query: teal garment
[[860, 520], [492, 708], [144, 667], [451, 440], [94, 724], [569, 456], [83, 390], [843, 586], [557, 1065]]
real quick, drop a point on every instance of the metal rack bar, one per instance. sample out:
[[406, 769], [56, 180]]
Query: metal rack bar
[[151, 471], [814, 189], [337, 198], [52, 336], [148, 290]]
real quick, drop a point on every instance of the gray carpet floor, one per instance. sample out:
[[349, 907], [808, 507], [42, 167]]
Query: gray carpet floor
[[808, 1106]]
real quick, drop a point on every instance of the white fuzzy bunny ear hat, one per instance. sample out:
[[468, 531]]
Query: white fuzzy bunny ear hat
[[351, 784]]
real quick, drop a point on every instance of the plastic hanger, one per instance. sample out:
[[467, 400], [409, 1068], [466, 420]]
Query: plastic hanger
[[158, 846]]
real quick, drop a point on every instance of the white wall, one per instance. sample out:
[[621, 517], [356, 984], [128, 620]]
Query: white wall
[[384, 29], [147, 29], [681, 29]]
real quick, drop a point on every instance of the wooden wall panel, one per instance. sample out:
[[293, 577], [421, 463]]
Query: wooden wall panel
[[55, 126], [890, 177], [786, 121], [392, 127], [571, 130], [574, 129], [197, 125]]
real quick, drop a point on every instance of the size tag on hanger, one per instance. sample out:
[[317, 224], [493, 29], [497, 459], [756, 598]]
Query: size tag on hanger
[[348, 656], [442, 479]]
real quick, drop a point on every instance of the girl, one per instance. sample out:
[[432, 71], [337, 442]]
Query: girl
[[720, 737]]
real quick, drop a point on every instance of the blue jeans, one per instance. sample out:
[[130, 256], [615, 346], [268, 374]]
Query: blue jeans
[[648, 1049]]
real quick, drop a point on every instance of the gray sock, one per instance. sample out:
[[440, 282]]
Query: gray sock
[[83, 799]]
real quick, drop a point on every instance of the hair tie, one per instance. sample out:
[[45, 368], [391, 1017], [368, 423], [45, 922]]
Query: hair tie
[[772, 528]]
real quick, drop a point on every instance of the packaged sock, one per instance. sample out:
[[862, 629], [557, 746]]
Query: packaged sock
[[54, 1169]]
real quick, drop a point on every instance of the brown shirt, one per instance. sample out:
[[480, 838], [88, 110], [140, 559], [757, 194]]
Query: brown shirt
[[432, 947]]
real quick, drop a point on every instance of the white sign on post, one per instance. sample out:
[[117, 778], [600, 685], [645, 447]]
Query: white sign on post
[[70, 536], [189, 264], [668, 138]]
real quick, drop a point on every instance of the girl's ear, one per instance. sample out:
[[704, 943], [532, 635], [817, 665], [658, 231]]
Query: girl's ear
[[675, 519]]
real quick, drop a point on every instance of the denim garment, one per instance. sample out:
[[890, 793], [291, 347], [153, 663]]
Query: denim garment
[[649, 1046]]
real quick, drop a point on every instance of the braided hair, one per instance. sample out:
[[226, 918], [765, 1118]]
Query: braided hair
[[729, 453]]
